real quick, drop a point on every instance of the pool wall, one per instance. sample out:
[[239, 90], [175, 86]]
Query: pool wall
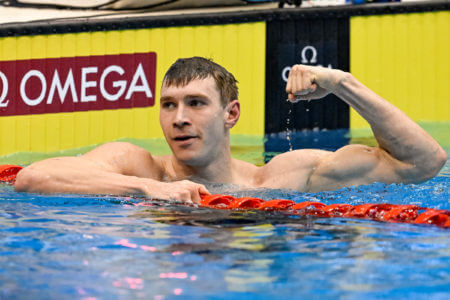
[[398, 50]]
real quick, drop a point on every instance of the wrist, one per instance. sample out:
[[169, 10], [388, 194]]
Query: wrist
[[147, 186], [338, 81]]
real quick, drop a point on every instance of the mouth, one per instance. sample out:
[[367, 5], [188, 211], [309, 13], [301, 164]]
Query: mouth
[[185, 138]]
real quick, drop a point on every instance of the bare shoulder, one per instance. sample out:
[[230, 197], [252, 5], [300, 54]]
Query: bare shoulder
[[116, 148], [290, 170], [127, 159], [244, 173]]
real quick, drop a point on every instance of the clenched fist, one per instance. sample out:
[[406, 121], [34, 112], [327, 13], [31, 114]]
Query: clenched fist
[[309, 83]]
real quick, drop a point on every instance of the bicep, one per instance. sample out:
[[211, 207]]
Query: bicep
[[354, 165]]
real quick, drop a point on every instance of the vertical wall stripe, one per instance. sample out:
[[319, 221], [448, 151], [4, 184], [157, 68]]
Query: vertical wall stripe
[[310, 41], [405, 59]]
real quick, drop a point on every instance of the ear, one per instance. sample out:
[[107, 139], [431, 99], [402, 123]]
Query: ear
[[233, 111]]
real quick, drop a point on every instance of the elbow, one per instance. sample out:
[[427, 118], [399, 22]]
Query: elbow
[[22, 181], [441, 159], [433, 165], [26, 181]]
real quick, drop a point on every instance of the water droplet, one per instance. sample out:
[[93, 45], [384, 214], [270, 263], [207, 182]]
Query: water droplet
[[288, 130]]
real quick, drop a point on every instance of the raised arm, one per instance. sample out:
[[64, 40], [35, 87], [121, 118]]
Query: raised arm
[[113, 168], [406, 153]]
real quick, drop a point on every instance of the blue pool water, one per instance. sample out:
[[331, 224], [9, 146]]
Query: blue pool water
[[85, 247]]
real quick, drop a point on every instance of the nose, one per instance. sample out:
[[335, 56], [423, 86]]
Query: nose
[[181, 117]]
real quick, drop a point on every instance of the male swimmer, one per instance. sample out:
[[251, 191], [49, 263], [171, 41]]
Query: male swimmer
[[199, 105]]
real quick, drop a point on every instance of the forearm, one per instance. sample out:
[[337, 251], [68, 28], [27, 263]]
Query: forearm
[[75, 175], [395, 132]]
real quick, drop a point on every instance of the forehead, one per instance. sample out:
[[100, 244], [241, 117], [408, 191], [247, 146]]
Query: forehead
[[203, 87]]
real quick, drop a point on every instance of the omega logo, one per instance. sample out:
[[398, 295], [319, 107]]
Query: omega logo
[[308, 57], [69, 84]]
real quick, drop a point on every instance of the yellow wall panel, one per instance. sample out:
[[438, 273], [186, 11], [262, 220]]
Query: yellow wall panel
[[140, 123], [68, 45], [201, 43], [82, 126], [67, 131], [9, 46], [127, 41], [53, 46], [405, 59], [142, 43], [7, 140], [98, 43], [23, 128], [443, 67], [23, 47], [96, 126], [112, 42], [38, 47], [110, 124], [52, 129], [37, 132], [238, 47], [83, 44]]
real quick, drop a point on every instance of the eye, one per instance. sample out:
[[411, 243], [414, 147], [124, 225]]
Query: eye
[[168, 105], [196, 103]]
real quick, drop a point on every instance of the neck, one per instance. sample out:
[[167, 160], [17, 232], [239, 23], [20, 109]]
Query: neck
[[216, 169]]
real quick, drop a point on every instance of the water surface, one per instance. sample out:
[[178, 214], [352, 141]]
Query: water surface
[[79, 247]]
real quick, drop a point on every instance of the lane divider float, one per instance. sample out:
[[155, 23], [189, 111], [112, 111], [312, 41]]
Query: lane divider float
[[8, 173], [383, 212]]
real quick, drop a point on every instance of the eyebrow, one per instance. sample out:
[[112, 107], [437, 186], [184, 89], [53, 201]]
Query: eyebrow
[[166, 98], [188, 97]]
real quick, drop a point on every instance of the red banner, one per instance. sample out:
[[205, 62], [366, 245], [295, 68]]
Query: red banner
[[53, 85]]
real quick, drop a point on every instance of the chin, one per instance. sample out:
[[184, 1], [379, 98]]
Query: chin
[[190, 159]]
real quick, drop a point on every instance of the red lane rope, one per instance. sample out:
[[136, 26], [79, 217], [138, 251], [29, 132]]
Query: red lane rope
[[379, 212], [8, 173]]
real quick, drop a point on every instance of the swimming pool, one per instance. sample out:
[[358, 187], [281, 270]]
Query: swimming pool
[[84, 247]]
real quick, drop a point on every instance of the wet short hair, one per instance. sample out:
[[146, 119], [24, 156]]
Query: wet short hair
[[184, 70]]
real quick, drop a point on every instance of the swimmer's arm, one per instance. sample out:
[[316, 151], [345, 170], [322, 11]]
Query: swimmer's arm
[[405, 150], [408, 153], [107, 169], [113, 168]]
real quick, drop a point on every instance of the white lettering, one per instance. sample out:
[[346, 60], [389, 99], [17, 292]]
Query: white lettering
[[40, 76], [304, 60], [136, 88], [285, 73], [87, 84], [3, 102], [314, 55], [62, 91], [121, 84]]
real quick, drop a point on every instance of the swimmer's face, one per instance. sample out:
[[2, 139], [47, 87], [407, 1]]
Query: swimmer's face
[[194, 122]]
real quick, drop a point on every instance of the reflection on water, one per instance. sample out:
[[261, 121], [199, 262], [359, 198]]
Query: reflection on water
[[107, 248]]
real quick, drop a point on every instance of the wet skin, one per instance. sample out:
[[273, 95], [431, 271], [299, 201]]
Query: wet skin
[[197, 128]]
